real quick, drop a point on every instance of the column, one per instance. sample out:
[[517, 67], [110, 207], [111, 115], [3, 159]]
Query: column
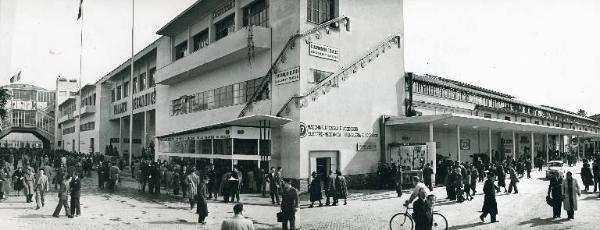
[[458, 143], [514, 143], [490, 143], [430, 132], [232, 153], [532, 152], [547, 148], [578, 147], [144, 130], [238, 15], [120, 135]]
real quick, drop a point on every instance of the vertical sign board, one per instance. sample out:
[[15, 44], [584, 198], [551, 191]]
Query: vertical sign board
[[323, 51]]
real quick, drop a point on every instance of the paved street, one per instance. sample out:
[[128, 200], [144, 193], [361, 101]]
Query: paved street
[[525, 210], [128, 209]]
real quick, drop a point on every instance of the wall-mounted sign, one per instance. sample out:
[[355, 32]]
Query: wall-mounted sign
[[324, 130], [223, 8], [323, 51], [287, 76], [465, 144], [120, 108], [144, 100], [367, 146]]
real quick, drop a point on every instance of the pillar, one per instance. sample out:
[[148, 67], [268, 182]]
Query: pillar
[[514, 145], [490, 143], [547, 148], [458, 143], [578, 147], [145, 129], [120, 135], [232, 153], [532, 148], [430, 132]]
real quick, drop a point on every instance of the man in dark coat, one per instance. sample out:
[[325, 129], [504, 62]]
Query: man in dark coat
[[315, 190], [555, 193], [212, 182], [427, 172], [100, 175], [274, 184], [513, 180], [75, 187], [596, 171], [289, 205], [489, 201], [422, 213], [202, 207], [63, 199]]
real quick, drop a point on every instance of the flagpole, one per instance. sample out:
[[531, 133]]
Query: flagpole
[[78, 101], [131, 85]]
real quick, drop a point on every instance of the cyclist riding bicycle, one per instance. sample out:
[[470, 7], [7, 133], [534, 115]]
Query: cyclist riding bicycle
[[422, 207]]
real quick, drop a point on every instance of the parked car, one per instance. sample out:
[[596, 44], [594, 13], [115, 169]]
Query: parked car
[[555, 168]]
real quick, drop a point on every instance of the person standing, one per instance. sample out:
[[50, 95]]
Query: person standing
[[238, 222], [596, 171], [474, 176], [513, 180], [570, 191], [41, 186], [329, 187], [100, 175], [501, 177], [212, 182], [260, 179], [28, 181], [192, 181], [75, 188], [273, 185], [586, 175], [114, 172], [528, 168], [427, 173], [289, 205], [201, 194], [467, 184], [237, 174], [341, 190], [397, 174], [489, 201], [315, 190], [555, 194], [63, 199]]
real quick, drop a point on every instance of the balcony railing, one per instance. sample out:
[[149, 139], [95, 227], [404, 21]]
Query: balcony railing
[[88, 109], [225, 50]]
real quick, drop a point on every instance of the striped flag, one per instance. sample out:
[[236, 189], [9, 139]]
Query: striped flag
[[80, 11], [15, 77]]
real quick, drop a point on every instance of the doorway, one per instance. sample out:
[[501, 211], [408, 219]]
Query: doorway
[[322, 162]]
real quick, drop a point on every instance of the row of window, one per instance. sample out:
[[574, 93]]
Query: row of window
[[88, 100], [217, 146], [237, 93], [28, 118], [87, 126], [461, 95], [68, 130], [320, 11], [140, 83], [255, 14]]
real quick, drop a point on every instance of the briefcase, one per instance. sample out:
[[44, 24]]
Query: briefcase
[[548, 200], [280, 217]]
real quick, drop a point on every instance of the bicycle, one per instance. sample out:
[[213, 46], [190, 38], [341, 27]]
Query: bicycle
[[404, 220]]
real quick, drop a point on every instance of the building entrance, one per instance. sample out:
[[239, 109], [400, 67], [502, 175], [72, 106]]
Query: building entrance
[[323, 161]]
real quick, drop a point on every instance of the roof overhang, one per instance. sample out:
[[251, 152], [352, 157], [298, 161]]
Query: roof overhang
[[258, 120], [481, 123], [68, 100]]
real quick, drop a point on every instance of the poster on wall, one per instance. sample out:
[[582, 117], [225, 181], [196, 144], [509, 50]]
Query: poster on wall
[[411, 156], [465, 144]]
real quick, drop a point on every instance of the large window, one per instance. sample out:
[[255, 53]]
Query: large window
[[257, 14], [125, 89], [225, 27], [245, 146], [320, 75], [180, 51], [200, 40], [112, 95], [142, 81], [151, 73], [118, 92], [222, 146], [320, 11], [135, 85]]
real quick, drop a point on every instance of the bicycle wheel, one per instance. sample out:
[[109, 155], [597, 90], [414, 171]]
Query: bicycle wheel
[[439, 221], [401, 221]]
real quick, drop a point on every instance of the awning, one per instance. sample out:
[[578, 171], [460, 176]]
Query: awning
[[257, 120], [475, 122]]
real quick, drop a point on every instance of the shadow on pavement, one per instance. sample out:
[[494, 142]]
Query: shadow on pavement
[[35, 216], [178, 221], [467, 226], [16, 208], [535, 222]]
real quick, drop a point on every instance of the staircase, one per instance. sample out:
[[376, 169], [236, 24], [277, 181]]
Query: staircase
[[281, 58], [344, 73]]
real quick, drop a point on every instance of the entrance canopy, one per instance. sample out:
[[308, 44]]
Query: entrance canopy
[[475, 122], [257, 120]]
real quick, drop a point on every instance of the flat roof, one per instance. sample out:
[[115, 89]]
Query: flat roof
[[66, 100], [248, 121], [481, 123], [164, 29]]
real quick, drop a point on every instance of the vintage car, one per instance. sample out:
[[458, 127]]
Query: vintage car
[[555, 168]]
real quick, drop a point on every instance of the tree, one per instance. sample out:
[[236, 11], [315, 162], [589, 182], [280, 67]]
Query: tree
[[581, 112], [4, 96]]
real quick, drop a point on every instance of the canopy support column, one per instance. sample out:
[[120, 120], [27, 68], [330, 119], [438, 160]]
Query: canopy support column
[[532, 148], [547, 148], [458, 143], [490, 143], [514, 145]]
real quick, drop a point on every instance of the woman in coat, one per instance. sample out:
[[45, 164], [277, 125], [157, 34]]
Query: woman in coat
[[340, 188], [315, 190], [17, 180], [201, 194], [586, 175], [570, 191], [501, 178], [192, 181], [555, 193]]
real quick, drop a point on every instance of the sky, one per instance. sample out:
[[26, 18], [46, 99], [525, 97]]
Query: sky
[[541, 51]]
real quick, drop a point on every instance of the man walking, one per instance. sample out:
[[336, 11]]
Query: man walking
[[192, 181], [273, 185], [289, 205], [427, 173], [63, 199], [596, 171], [570, 192], [41, 186], [28, 181], [489, 201], [513, 180], [114, 177], [75, 187]]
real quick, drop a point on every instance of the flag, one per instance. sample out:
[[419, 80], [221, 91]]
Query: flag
[[79, 14], [12, 79], [18, 76], [15, 78]]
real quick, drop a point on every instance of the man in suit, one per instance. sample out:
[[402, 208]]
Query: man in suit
[[28, 181], [289, 205], [114, 176], [273, 185], [63, 199], [75, 187], [41, 185]]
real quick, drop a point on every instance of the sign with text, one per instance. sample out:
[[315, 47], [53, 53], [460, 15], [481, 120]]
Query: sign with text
[[287, 76], [323, 51], [325, 130], [366, 147]]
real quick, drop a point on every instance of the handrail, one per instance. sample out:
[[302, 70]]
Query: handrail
[[331, 79], [289, 44]]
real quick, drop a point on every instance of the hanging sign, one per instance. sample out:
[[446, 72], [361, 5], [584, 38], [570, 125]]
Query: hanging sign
[[287, 76], [323, 51]]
